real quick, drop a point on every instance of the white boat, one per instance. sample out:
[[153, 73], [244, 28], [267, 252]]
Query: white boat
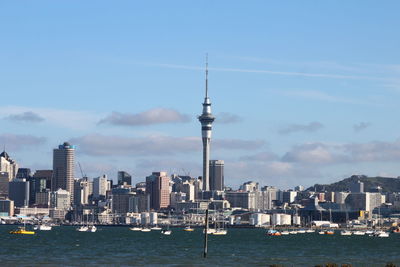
[[145, 230], [156, 228], [188, 229], [285, 233], [383, 234], [220, 232], [321, 232], [310, 231], [293, 232], [346, 232], [210, 231], [135, 228], [44, 227], [370, 232], [92, 229], [301, 231], [166, 232], [83, 228], [359, 233]]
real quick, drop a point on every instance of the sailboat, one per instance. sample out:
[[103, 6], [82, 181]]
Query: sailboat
[[220, 230], [167, 231]]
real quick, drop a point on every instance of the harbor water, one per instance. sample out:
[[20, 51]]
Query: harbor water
[[118, 246]]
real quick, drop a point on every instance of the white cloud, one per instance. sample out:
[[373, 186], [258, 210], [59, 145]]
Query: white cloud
[[152, 116], [293, 128]]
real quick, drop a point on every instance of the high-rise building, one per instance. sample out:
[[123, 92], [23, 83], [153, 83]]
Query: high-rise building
[[82, 191], [217, 175], [44, 174], [4, 185], [6, 207], [100, 187], [18, 190], [8, 165], [157, 186], [124, 178], [206, 119], [64, 168], [60, 199]]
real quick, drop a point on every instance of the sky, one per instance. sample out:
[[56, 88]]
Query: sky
[[303, 92]]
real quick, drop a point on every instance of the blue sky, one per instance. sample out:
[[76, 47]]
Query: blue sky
[[304, 91]]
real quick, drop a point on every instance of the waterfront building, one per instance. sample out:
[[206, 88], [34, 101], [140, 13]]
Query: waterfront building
[[6, 207], [216, 175], [120, 200], [100, 187], [60, 199], [177, 197], [206, 119], [281, 219], [4, 185], [240, 199], [124, 178], [64, 169], [266, 198], [18, 190], [8, 165], [157, 186]]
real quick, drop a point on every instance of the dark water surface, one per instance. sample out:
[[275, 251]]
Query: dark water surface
[[118, 246]]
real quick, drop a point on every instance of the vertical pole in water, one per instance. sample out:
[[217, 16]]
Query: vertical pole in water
[[206, 235]]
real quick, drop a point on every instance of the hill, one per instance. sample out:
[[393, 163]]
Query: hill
[[370, 183]]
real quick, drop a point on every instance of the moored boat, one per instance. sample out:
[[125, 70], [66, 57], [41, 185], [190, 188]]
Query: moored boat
[[346, 232], [22, 231]]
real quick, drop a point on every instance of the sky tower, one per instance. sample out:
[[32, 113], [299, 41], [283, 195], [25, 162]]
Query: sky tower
[[206, 119]]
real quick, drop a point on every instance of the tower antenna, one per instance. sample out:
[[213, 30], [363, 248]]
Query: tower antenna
[[206, 75]]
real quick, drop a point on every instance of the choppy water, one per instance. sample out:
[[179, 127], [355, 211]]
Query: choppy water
[[118, 246]]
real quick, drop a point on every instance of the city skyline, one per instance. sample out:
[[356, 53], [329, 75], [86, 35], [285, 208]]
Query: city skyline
[[298, 99]]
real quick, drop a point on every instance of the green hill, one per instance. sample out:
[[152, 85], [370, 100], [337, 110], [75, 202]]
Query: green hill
[[370, 184]]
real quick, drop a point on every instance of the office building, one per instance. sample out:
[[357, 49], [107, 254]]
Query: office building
[[124, 178], [8, 165], [157, 186], [44, 174], [60, 199], [6, 207], [100, 187], [18, 191], [240, 199], [82, 191], [216, 175], [64, 168], [4, 185]]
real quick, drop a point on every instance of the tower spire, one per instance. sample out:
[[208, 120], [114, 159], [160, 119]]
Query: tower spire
[[207, 75]]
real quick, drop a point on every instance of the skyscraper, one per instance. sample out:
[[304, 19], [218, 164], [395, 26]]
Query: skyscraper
[[8, 165], [216, 175], [157, 186], [206, 119], [64, 169], [124, 177]]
